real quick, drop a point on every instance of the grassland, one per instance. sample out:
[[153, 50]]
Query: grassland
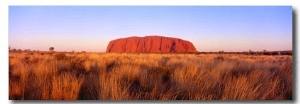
[[116, 76]]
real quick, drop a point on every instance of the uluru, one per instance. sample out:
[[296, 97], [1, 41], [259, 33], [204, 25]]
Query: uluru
[[150, 44]]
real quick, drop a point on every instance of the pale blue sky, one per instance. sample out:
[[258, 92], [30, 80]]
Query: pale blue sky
[[209, 28]]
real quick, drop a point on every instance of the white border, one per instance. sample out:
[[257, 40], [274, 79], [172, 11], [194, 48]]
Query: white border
[[150, 2], [4, 52], [4, 21]]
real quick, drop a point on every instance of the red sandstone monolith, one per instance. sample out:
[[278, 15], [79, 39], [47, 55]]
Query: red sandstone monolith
[[150, 44]]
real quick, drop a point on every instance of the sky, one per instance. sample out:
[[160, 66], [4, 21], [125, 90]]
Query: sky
[[209, 28]]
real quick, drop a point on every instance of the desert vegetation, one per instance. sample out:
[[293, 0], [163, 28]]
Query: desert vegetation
[[124, 76]]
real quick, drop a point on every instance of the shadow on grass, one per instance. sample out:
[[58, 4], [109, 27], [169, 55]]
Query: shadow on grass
[[89, 88]]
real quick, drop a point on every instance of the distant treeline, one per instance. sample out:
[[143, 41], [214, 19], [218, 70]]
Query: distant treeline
[[252, 53], [220, 52]]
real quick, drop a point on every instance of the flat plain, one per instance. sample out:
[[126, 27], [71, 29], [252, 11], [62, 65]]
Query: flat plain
[[137, 76]]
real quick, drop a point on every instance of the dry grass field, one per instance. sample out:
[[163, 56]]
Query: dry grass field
[[123, 76]]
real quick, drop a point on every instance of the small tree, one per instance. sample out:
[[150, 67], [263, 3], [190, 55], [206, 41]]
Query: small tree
[[265, 50], [51, 49], [251, 52], [19, 50]]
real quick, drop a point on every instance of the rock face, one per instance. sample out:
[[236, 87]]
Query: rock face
[[155, 44]]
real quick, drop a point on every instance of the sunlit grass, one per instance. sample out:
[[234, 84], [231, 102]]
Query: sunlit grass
[[123, 76]]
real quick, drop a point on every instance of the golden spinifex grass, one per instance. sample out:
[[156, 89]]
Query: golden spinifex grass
[[121, 76]]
